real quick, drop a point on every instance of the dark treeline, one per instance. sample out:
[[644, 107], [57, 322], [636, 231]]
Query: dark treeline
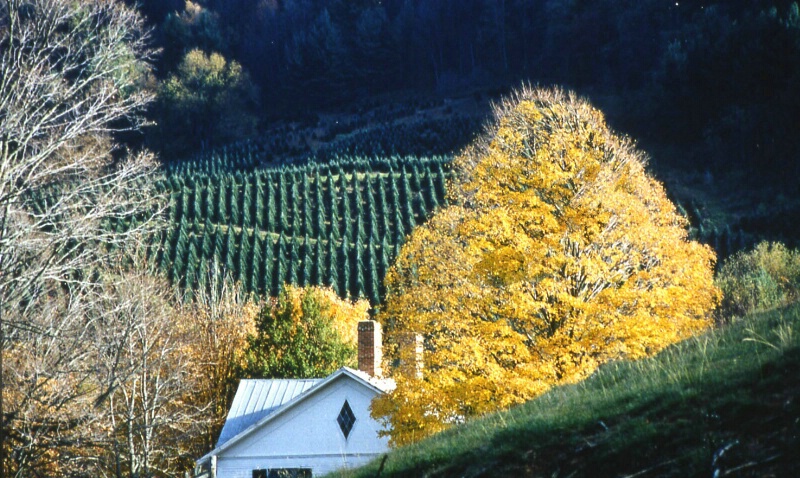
[[721, 77], [329, 51]]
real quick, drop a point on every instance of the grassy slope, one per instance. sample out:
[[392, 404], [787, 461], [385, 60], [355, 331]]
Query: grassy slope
[[726, 403]]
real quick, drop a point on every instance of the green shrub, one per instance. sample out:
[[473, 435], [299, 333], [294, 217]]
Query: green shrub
[[761, 279]]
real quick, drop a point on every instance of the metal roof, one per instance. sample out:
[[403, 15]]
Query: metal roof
[[258, 401], [255, 399]]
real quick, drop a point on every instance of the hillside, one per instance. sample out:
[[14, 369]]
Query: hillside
[[154, 149], [338, 225], [708, 89], [720, 404], [386, 169], [328, 204]]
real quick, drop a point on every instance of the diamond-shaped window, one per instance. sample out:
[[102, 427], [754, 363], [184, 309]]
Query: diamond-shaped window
[[346, 419]]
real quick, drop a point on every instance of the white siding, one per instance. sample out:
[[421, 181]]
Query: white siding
[[308, 435]]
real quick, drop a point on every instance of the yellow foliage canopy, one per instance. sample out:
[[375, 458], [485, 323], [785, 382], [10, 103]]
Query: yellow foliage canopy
[[558, 253]]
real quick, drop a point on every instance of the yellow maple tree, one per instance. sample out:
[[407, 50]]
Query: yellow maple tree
[[558, 253]]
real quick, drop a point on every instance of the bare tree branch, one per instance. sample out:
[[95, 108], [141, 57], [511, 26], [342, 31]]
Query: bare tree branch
[[70, 78]]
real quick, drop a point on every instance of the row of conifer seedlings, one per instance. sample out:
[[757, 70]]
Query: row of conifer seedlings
[[325, 225]]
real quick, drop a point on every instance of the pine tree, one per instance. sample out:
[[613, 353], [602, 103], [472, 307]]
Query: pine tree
[[258, 221], [184, 203], [396, 247], [292, 260], [247, 205], [386, 256], [172, 209], [225, 162], [243, 268], [318, 273], [360, 229], [176, 182], [385, 222], [208, 240], [344, 267], [373, 285], [319, 205], [430, 189], [407, 196], [270, 204], [396, 206], [197, 201], [308, 217], [297, 212], [253, 281], [179, 237], [415, 183], [230, 252], [164, 250], [209, 200], [440, 180], [221, 214], [233, 203], [281, 265], [268, 265], [192, 260], [332, 267], [347, 220], [372, 212], [195, 228], [219, 245], [283, 204], [335, 232], [306, 253], [356, 198], [331, 203], [179, 251], [359, 208], [358, 287]]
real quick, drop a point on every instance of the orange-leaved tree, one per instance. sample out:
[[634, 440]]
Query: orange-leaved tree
[[558, 253], [220, 319]]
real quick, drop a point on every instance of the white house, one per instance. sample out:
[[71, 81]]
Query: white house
[[299, 428]]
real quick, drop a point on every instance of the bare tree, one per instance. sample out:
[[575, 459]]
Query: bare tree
[[70, 78], [151, 376], [221, 317], [121, 383]]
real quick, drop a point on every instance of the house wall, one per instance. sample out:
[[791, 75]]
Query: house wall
[[308, 436]]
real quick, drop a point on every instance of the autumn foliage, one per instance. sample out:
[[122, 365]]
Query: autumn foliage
[[306, 332], [558, 253], [218, 322]]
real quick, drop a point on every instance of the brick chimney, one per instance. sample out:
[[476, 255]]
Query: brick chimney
[[411, 348], [370, 341]]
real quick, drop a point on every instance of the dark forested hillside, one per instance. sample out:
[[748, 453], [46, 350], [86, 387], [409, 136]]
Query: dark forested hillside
[[718, 78], [710, 89]]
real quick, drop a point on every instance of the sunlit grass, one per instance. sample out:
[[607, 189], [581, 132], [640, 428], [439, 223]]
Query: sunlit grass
[[670, 415]]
